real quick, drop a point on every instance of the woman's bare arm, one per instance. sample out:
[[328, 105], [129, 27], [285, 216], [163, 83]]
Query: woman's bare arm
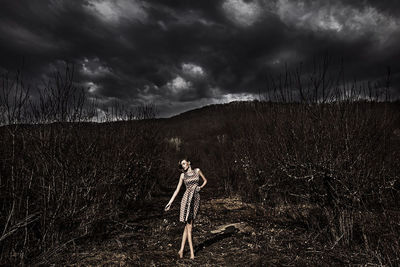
[[202, 176], [178, 187]]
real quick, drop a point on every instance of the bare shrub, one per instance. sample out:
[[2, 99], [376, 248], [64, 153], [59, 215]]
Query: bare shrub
[[68, 179], [329, 150]]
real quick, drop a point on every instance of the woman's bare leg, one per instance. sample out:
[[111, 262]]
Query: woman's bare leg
[[189, 233], [184, 236]]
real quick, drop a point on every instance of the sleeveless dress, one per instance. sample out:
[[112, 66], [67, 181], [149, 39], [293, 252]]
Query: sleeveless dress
[[190, 202]]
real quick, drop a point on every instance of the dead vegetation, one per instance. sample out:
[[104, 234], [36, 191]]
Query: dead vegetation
[[309, 183]]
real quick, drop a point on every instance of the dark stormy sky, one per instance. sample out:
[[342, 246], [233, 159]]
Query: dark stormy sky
[[181, 54]]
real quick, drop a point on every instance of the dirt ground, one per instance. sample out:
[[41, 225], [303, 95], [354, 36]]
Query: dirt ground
[[227, 232]]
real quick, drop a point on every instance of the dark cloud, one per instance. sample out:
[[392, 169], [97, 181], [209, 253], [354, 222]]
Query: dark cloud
[[389, 7], [185, 54]]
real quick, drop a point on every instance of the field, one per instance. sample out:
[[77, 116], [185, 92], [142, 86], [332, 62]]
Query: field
[[288, 184]]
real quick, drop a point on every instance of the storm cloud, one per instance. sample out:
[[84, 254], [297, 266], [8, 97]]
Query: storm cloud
[[185, 54]]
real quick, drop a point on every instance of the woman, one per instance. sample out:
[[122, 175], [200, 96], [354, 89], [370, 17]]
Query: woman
[[190, 201]]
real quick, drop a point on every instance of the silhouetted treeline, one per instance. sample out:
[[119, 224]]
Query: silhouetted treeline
[[60, 99]]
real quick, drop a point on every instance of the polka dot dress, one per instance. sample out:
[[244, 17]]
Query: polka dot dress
[[191, 198]]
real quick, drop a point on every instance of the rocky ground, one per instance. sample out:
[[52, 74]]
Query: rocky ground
[[228, 232]]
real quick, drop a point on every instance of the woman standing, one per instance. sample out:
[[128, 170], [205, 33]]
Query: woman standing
[[190, 201]]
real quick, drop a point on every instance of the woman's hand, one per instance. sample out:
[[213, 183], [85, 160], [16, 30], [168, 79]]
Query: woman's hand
[[167, 207], [198, 188]]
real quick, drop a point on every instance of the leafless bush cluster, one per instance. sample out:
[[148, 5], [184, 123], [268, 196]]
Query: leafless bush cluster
[[338, 157], [14, 98], [70, 179], [60, 99], [118, 111], [325, 82]]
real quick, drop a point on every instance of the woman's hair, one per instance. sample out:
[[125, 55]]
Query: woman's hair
[[180, 165]]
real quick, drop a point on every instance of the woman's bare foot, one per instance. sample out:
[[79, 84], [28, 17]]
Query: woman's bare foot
[[180, 254], [191, 257]]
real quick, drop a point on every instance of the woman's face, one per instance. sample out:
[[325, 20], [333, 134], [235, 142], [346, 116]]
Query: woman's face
[[185, 164]]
